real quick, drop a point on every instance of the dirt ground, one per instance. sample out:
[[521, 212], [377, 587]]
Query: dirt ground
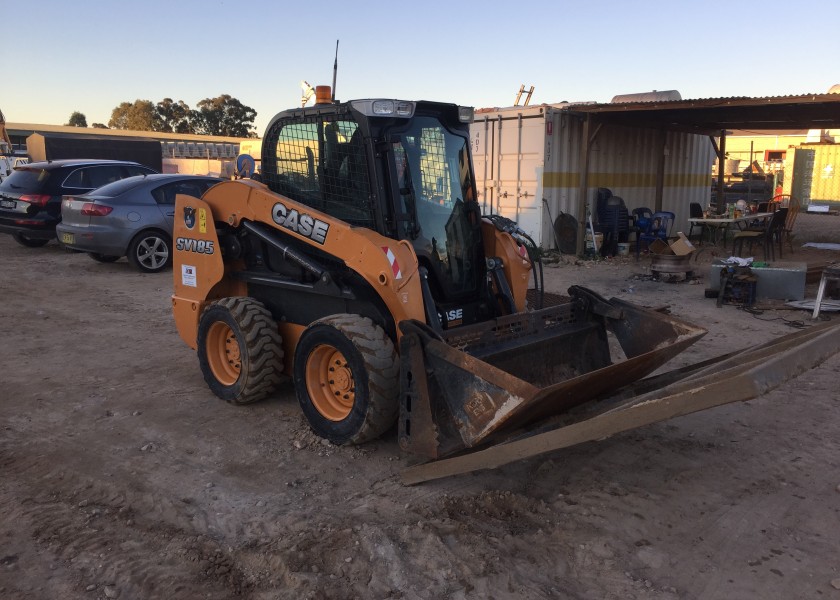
[[122, 476]]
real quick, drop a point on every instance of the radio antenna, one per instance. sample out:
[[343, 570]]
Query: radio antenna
[[335, 70]]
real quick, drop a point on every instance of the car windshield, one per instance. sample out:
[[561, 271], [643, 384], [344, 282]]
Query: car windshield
[[118, 187], [28, 180]]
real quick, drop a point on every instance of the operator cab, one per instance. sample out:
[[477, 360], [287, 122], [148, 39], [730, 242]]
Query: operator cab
[[400, 168]]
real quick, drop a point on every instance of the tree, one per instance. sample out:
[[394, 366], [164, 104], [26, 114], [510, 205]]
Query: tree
[[174, 117], [224, 115], [77, 119], [138, 116]]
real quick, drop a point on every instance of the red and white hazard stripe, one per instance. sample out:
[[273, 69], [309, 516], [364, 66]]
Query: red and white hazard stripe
[[395, 266]]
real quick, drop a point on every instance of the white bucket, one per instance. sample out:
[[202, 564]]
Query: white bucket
[[623, 248], [599, 237]]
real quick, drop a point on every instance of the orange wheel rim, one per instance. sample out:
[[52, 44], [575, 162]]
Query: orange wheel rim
[[223, 353], [330, 383]]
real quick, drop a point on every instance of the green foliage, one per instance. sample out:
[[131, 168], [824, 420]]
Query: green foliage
[[77, 119], [224, 116], [138, 116], [174, 117]]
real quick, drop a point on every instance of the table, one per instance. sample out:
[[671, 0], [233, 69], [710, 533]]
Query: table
[[718, 224]]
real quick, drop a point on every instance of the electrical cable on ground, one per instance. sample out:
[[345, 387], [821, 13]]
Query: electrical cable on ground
[[795, 323]]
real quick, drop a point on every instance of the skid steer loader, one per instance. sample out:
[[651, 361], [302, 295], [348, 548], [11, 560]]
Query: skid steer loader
[[362, 267]]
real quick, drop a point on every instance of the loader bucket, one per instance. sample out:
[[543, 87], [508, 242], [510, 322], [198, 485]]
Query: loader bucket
[[479, 382]]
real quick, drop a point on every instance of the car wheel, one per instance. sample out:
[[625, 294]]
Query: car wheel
[[29, 242], [240, 351], [346, 375], [150, 251], [103, 258]]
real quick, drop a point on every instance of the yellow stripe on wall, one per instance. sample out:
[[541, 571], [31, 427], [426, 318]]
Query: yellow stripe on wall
[[625, 180]]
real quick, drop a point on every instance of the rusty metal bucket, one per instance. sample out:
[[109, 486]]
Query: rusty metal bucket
[[483, 381]]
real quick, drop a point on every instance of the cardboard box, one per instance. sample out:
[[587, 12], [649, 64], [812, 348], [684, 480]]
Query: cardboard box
[[659, 247], [681, 246]]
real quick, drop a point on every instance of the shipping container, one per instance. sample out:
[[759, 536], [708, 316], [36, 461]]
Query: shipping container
[[523, 155], [826, 179]]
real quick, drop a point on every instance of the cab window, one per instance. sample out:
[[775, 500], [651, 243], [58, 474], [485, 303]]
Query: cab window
[[322, 163]]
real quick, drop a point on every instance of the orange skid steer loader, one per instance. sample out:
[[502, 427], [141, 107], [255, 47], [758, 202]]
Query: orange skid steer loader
[[363, 269]]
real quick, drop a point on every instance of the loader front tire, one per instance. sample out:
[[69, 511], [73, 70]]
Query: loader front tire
[[239, 350], [346, 375]]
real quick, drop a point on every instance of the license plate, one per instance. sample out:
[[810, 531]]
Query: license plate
[[8, 203], [68, 238]]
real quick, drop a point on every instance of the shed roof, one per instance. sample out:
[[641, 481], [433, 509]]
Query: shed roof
[[710, 116], [29, 128]]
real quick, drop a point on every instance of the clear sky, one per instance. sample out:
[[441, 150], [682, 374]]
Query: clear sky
[[91, 55]]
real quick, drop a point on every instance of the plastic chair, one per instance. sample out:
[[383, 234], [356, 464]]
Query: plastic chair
[[614, 223], [658, 228], [768, 237], [641, 218], [786, 232]]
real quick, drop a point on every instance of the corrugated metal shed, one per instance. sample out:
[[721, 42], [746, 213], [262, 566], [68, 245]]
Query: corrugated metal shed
[[655, 153], [528, 161]]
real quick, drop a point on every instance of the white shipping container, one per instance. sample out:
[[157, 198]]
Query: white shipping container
[[523, 155]]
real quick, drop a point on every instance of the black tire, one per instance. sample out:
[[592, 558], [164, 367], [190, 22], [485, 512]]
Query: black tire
[[346, 376], [24, 240], [150, 251], [103, 258], [239, 350]]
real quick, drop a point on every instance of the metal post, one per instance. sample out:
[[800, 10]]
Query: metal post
[[750, 184], [499, 171], [660, 171], [721, 200], [518, 165], [487, 159], [583, 167]]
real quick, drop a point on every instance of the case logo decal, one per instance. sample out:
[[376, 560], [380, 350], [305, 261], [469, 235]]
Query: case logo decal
[[301, 223]]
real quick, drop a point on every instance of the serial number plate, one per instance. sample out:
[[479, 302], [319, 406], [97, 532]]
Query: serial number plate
[[68, 238], [8, 203]]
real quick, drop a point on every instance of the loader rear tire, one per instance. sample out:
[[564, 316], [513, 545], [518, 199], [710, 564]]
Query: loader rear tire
[[346, 375], [239, 350]]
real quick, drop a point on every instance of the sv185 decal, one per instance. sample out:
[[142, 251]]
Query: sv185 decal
[[197, 246], [302, 223]]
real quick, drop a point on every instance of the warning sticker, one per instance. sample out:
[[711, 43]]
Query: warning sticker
[[188, 275]]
